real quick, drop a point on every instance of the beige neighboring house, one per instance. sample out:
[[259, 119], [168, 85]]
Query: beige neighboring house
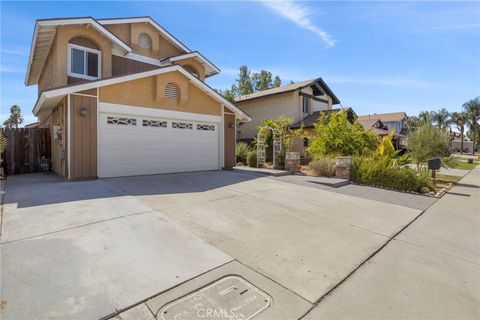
[[296, 101], [125, 97], [394, 120], [381, 130]]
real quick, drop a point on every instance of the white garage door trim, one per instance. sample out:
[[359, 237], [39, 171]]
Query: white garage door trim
[[140, 113]]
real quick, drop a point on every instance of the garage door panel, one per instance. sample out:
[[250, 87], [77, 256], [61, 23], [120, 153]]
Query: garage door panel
[[139, 149]]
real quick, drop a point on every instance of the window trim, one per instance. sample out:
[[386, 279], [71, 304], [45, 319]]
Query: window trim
[[305, 105], [85, 64]]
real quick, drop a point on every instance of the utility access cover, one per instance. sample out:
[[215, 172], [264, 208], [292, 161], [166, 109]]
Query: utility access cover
[[230, 298]]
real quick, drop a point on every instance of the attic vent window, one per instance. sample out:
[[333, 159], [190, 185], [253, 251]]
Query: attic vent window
[[171, 91], [144, 41]]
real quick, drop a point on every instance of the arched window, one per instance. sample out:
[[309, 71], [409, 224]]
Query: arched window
[[84, 59], [171, 91], [144, 41], [191, 69]]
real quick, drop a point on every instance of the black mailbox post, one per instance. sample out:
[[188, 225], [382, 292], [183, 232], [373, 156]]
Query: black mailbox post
[[434, 164]]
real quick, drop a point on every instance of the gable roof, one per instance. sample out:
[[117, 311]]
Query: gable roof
[[43, 35], [291, 87], [146, 19], [311, 119], [385, 117], [370, 123], [50, 98], [211, 69]]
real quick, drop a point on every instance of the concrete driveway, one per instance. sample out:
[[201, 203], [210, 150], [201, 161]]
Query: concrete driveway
[[304, 238], [84, 249], [80, 250]]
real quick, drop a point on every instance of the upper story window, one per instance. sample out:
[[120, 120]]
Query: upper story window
[[305, 105], [84, 62], [144, 41]]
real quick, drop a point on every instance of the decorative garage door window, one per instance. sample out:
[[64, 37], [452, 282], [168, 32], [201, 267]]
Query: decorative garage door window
[[206, 127], [155, 123], [122, 121], [182, 125]]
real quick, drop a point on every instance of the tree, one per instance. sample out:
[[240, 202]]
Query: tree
[[427, 142], [336, 136], [229, 94], [460, 120], [441, 118], [277, 82], [425, 117], [262, 80], [15, 118], [244, 81], [472, 110], [413, 122]]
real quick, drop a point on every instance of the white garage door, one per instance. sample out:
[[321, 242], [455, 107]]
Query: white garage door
[[130, 144]]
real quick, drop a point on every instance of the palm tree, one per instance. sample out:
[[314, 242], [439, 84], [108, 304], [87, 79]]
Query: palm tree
[[15, 118], [413, 122], [441, 118], [472, 109], [460, 119], [425, 117]]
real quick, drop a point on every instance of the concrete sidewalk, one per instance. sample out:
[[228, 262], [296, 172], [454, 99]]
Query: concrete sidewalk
[[430, 271]]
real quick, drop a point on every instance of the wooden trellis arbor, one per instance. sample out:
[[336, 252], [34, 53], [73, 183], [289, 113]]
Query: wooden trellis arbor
[[261, 140]]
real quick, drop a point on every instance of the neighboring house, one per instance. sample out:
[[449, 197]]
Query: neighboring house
[[308, 123], [296, 101], [125, 97], [381, 130], [395, 120]]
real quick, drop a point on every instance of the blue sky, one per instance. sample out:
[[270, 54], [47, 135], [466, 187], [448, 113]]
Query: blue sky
[[376, 56]]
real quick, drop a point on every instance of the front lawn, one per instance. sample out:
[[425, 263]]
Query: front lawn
[[448, 178], [465, 165]]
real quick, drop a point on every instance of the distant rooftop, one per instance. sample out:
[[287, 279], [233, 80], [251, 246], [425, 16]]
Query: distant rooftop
[[385, 117], [291, 87]]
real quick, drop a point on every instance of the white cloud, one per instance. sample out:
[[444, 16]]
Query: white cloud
[[300, 15]]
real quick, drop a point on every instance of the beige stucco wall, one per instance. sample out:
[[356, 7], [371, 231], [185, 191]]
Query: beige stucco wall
[[149, 92], [316, 105], [54, 72], [269, 107], [121, 30], [129, 33]]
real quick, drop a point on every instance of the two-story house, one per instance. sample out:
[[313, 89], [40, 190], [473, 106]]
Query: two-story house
[[296, 101], [125, 97], [396, 121]]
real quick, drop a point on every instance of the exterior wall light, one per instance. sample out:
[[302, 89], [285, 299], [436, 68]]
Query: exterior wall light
[[83, 112]]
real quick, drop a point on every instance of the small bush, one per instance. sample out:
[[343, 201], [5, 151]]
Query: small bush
[[323, 167], [252, 159], [241, 151], [381, 172]]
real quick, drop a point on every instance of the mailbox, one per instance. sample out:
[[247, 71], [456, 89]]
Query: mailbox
[[434, 164]]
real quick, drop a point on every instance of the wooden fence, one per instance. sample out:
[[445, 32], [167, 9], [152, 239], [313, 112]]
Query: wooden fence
[[25, 149]]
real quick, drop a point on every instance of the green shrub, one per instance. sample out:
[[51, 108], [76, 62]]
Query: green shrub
[[323, 167], [382, 172], [252, 159], [241, 151]]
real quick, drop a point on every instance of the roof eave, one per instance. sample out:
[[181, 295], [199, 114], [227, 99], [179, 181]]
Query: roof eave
[[94, 84]]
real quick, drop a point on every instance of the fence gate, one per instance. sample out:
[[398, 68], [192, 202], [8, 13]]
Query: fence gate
[[25, 149]]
